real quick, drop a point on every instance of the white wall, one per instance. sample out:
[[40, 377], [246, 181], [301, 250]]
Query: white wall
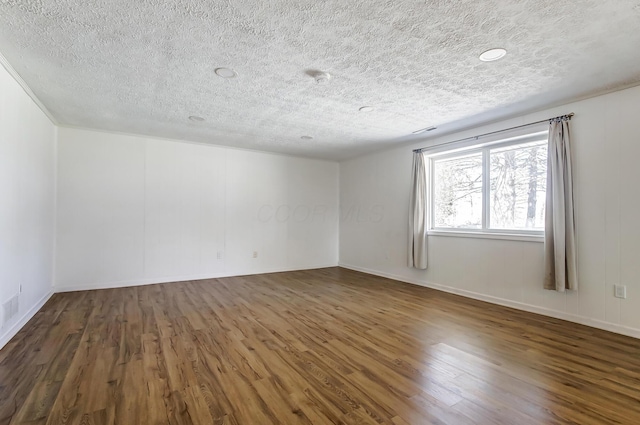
[[27, 160], [374, 197], [134, 210]]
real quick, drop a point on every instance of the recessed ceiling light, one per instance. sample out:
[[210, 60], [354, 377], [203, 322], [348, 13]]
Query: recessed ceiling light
[[492, 55], [424, 130], [225, 73], [306, 137], [196, 118], [366, 109]]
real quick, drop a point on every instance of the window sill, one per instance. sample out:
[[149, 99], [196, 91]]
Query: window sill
[[487, 235]]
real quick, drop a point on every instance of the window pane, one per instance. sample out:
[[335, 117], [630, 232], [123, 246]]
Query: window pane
[[518, 186], [458, 192]]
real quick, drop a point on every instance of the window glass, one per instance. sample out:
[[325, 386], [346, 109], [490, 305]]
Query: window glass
[[458, 192], [518, 186], [499, 187]]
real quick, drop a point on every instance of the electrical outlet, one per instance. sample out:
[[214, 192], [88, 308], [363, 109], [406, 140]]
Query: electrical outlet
[[255, 254], [620, 291]]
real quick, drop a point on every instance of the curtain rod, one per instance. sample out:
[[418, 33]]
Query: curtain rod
[[567, 116]]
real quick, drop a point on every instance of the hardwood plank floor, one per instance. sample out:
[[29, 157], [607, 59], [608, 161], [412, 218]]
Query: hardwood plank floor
[[328, 346]]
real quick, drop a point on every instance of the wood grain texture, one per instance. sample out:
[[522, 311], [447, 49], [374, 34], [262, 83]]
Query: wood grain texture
[[329, 346]]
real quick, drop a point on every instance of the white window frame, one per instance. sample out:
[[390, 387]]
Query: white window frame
[[474, 147]]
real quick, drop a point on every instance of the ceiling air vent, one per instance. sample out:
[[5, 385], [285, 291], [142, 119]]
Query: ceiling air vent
[[424, 130]]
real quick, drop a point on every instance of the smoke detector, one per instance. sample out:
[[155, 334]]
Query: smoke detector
[[321, 77]]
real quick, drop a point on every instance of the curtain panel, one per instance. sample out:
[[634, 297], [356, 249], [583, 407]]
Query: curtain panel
[[417, 248], [560, 261]]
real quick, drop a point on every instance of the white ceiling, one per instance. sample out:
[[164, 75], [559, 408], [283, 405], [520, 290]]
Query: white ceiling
[[146, 66]]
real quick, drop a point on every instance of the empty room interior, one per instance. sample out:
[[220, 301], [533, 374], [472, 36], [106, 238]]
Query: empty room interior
[[319, 212]]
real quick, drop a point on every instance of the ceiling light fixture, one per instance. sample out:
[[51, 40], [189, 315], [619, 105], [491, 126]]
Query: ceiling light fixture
[[196, 118], [225, 72], [424, 130], [366, 109], [493, 55], [306, 137]]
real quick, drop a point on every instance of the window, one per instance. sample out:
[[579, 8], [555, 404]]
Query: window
[[493, 188]]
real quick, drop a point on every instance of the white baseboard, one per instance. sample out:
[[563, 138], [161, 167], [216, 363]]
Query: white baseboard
[[15, 328], [152, 281], [599, 324]]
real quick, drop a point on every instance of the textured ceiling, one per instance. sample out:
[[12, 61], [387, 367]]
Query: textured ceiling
[[145, 66]]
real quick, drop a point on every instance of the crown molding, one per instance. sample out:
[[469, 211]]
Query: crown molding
[[6, 65]]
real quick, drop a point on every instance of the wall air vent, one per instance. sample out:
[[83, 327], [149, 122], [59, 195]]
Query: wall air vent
[[10, 309]]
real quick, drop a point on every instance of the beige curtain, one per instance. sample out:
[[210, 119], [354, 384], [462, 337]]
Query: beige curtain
[[418, 214], [559, 234]]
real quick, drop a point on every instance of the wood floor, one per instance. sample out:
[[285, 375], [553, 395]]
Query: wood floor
[[326, 346]]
